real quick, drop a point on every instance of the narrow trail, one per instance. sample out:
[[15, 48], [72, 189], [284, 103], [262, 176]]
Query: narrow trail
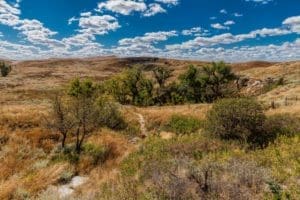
[[141, 120]]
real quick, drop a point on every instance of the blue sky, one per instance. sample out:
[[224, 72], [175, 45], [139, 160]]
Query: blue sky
[[230, 30]]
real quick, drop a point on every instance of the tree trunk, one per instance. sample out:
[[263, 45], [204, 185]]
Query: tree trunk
[[78, 147], [63, 141]]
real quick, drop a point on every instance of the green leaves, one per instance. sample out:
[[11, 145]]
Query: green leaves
[[161, 74], [79, 88], [238, 119]]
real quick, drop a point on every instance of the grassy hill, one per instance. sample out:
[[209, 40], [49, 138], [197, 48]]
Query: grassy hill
[[160, 165]]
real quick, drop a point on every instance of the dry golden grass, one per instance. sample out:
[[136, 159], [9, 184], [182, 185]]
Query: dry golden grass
[[24, 103], [120, 149], [41, 179], [290, 71], [292, 109], [158, 116], [32, 183]]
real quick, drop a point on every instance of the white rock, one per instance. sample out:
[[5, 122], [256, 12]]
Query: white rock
[[77, 181], [64, 191]]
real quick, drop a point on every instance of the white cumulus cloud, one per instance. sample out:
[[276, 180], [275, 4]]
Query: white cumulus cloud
[[293, 23]]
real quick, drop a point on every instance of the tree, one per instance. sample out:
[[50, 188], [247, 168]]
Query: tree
[[83, 109], [111, 116], [133, 77], [190, 85], [237, 119], [139, 86], [161, 75], [214, 77], [62, 120], [117, 87], [5, 69]]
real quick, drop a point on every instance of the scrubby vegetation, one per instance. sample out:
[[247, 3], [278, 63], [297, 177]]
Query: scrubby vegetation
[[196, 167], [82, 111], [244, 120], [108, 134], [197, 84], [184, 124], [237, 119]]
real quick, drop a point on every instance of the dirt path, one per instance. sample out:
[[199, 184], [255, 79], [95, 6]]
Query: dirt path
[[141, 120]]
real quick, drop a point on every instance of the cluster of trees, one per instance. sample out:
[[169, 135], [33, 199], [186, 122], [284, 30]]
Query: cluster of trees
[[80, 111], [197, 84], [5, 69]]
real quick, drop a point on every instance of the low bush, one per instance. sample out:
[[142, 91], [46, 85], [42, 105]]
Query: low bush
[[99, 154], [235, 179], [238, 119], [184, 124], [110, 116], [282, 124], [273, 85], [66, 177], [66, 154]]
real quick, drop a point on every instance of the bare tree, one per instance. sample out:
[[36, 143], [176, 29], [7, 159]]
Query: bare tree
[[83, 109], [62, 120]]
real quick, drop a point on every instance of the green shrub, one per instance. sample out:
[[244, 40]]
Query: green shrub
[[66, 154], [273, 85], [99, 154], [282, 124], [66, 177], [238, 119], [110, 116], [5, 69], [184, 124]]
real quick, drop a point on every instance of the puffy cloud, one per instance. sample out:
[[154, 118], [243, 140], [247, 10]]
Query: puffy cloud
[[149, 38], [196, 31], [124, 7], [237, 14], [219, 26], [81, 39], [127, 7], [10, 50], [33, 30], [71, 20], [39, 42], [293, 23], [168, 2], [9, 15], [91, 25], [286, 51], [229, 22], [98, 25], [223, 26], [153, 9], [143, 45], [223, 11], [226, 38]]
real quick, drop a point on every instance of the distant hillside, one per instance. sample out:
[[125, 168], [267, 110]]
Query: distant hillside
[[32, 79]]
